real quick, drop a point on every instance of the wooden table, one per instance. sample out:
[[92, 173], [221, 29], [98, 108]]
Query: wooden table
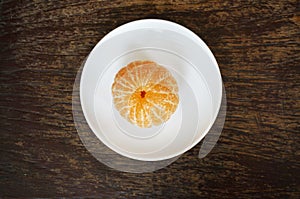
[[42, 45]]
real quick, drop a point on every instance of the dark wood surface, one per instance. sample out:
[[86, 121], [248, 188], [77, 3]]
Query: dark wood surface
[[256, 43]]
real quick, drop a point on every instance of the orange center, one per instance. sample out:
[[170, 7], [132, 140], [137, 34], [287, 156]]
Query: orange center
[[143, 93]]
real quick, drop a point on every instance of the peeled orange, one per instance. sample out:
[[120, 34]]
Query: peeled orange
[[145, 93]]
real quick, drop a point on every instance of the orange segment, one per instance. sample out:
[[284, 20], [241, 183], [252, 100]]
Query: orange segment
[[145, 93]]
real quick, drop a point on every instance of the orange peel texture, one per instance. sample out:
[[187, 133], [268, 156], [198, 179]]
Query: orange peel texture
[[145, 93]]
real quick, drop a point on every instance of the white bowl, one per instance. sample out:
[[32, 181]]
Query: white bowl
[[192, 64]]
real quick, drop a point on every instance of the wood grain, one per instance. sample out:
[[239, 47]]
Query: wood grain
[[256, 43]]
